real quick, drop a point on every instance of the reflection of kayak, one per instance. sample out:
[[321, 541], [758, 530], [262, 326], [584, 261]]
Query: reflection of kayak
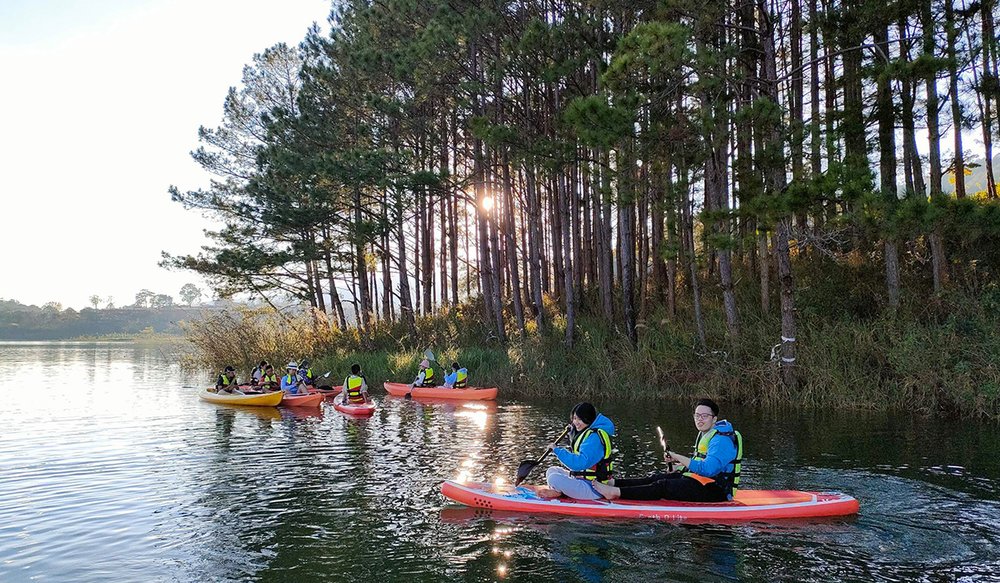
[[361, 409], [309, 400], [467, 394], [485, 406], [748, 505], [260, 400]]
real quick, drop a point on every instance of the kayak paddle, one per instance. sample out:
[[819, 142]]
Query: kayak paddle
[[527, 465], [663, 444], [429, 356]]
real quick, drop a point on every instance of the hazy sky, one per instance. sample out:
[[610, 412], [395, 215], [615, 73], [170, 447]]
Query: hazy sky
[[99, 108]]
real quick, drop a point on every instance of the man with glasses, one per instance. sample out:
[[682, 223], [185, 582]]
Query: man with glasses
[[713, 472]]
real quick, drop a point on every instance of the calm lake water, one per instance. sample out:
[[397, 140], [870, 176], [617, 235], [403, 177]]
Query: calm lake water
[[112, 470]]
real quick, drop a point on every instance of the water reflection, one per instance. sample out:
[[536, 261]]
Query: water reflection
[[138, 480]]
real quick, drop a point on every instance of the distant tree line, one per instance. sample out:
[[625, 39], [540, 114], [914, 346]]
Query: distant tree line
[[611, 159], [50, 322]]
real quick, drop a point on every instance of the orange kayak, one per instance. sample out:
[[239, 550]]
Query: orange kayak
[[331, 392], [466, 394], [747, 505], [361, 409], [308, 400]]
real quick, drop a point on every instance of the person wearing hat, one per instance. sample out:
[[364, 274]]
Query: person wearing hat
[[290, 382], [226, 383], [425, 378], [458, 378], [713, 472], [587, 460]]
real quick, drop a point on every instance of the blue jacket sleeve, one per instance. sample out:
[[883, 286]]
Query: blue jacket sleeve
[[451, 377], [721, 453], [285, 386], [591, 452]]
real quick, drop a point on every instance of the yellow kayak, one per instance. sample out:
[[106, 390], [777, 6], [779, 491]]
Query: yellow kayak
[[260, 400]]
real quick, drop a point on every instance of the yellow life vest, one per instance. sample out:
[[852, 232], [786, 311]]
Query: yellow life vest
[[264, 379], [428, 378], [600, 471], [354, 389], [728, 481], [461, 378]]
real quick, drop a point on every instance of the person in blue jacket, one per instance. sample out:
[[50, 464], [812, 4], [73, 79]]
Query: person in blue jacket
[[458, 378], [291, 383], [712, 474], [587, 460]]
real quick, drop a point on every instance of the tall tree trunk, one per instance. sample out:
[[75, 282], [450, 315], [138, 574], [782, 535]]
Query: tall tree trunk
[[534, 246], [911, 154], [938, 258], [563, 206], [796, 98], [671, 236], [626, 236], [887, 160], [956, 106], [607, 251], [990, 81], [406, 311], [364, 318], [688, 225], [776, 186], [338, 306], [815, 151], [509, 233], [715, 110]]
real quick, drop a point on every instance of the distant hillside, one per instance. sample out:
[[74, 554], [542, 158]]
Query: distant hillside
[[20, 322]]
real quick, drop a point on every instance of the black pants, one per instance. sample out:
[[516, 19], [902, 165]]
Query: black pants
[[669, 487]]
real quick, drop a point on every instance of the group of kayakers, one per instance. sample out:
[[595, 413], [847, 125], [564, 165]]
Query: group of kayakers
[[457, 377], [299, 379], [712, 474]]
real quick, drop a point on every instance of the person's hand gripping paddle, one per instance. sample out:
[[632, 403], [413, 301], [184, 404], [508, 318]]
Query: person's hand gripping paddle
[[527, 465], [663, 444]]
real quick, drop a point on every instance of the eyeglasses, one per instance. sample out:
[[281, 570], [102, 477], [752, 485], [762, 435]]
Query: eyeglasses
[[703, 415]]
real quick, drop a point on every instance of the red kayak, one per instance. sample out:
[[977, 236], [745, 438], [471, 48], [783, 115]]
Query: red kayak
[[360, 409], [747, 505], [331, 392], [307, 400], [466, 394]]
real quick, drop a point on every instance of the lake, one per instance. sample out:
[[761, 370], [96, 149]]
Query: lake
[[111, 469]]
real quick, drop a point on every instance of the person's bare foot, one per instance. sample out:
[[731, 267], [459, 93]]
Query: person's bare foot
[[548, 493], [609, 492]]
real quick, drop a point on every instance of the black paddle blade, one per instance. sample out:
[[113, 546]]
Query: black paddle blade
[[523, 470], [408, 396]]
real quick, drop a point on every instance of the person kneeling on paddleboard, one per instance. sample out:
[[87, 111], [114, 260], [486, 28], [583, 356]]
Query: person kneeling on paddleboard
[[588, 459], [356, 386], [458, 378], [712, 475]]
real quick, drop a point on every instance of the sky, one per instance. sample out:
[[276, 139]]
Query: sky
[[100, 106]]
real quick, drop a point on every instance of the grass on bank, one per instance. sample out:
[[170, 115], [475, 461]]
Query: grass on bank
[[926, 361]]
